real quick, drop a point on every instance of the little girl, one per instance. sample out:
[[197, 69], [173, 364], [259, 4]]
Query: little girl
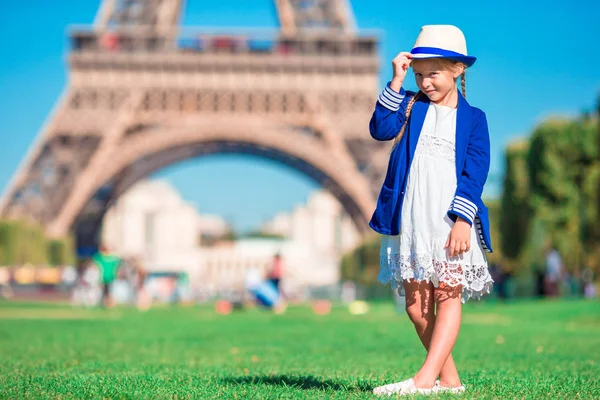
[[434, 224]]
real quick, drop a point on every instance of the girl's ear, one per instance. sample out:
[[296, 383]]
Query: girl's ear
[[458, 71]]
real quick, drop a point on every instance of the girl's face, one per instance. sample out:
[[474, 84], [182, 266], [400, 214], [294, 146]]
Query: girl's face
[[435, 79]]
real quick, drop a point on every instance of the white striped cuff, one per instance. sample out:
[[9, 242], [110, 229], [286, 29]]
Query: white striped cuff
[[480, 233], [464, 207], [390, 99]]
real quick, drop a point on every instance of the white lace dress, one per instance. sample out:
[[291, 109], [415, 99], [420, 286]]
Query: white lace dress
[[418, 252]]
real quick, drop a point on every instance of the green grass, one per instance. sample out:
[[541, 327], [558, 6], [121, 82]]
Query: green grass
[[518, 350]]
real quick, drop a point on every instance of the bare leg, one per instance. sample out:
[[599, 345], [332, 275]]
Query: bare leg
[[420, 310], [445, 332]]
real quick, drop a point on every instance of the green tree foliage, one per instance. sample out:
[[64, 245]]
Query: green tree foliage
[[551, 193], [563, 163], [61, 252], [494, 213], [514, 224], [262, 235], [361, 265], [23, 242], [591, 195]]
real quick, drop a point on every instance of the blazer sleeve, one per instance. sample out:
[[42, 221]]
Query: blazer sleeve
[[474, 174], [389, 114]]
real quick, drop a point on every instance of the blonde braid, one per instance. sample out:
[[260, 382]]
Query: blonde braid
[[463, 84], [409, 107]]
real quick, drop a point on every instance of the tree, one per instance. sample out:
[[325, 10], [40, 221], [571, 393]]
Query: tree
[[361, 265], [61, 252], [562, 163], [263, 235], [516, 211], [24, 242]]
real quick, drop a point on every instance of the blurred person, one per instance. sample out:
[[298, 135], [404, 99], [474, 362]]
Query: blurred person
[[69, 277], [108, 265], [138, 284], [433, 222], [589, 288], [127, 273], [78, 293], [348, 294], [6, 291], [276, 272], [82, 264], [86, 291], [139, 275], [184, 288], [554, 272], [264, 291]]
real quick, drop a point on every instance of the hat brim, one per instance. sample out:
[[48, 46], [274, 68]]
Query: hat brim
[[467, 60]]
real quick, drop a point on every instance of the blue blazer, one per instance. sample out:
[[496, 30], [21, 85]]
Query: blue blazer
[[472, 161]]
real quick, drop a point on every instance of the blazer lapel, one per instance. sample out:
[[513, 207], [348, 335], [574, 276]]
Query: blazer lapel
[[417, 118], [463, 131]]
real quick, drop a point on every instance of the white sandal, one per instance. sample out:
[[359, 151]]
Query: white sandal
[[406, 387], [444, 389]]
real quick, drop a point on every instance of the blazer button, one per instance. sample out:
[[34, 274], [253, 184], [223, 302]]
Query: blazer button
[[402, 193]]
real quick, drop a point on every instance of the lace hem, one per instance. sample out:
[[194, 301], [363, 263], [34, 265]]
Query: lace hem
[[474, 279]]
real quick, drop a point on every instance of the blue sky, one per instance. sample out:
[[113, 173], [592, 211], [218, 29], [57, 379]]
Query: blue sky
[[535, 59]]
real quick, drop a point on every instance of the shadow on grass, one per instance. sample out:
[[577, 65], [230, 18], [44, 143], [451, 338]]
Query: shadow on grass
[[300, 382]]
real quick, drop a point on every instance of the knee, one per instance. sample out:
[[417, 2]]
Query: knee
[[419, 314]]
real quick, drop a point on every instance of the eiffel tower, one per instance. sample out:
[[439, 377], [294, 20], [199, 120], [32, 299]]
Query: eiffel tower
[[144, 93]]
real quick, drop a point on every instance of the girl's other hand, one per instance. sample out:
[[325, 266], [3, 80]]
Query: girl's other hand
[[400, 64], [459, 240]]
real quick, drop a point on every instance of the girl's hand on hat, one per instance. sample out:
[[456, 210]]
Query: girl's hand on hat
[[459, 240], [401, 63]]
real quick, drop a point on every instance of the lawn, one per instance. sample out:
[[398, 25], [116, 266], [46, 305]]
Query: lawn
[[534, 349]]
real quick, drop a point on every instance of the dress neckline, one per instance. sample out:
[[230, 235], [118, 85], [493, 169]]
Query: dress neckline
[[443, 106]]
